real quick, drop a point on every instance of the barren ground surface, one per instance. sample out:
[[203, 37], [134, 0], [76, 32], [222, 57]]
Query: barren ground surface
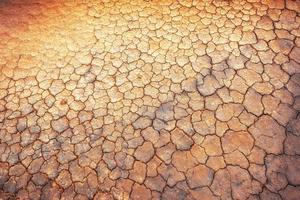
[[153, 99]]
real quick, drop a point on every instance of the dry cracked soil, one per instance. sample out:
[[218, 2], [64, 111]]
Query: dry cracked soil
[[120, 99]]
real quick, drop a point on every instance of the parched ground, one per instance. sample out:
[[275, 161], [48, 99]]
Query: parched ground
[[150, 99]]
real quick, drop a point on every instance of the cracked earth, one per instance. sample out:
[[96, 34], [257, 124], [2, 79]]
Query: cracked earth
[[150, 99]]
